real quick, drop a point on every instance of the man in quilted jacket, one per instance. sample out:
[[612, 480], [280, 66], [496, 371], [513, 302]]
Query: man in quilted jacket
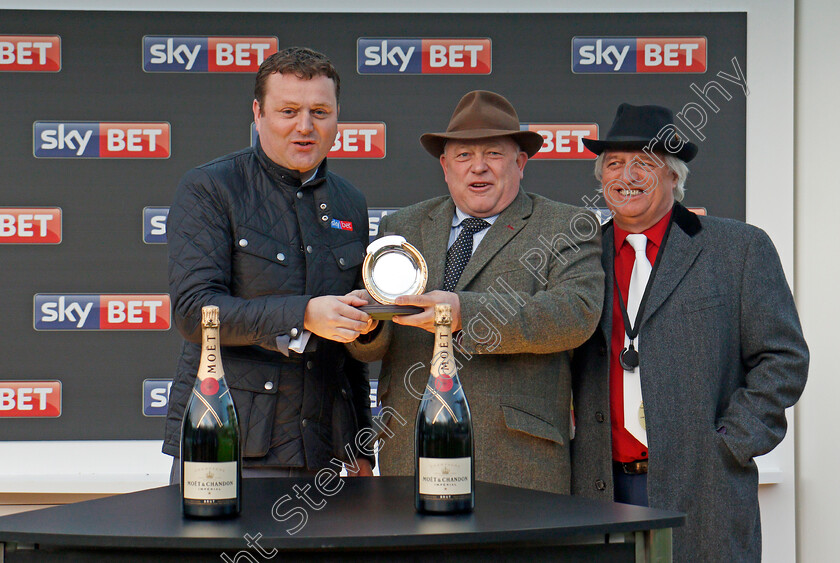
[[276, 241]]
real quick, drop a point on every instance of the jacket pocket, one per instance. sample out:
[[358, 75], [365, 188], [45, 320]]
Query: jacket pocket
[[255, 243], [517, 418], [263, 265], [348, 255], [253, 386], [705, 302]]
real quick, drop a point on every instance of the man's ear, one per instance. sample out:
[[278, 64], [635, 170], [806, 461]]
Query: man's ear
[[521, 160], [257, 113], [443, 164]]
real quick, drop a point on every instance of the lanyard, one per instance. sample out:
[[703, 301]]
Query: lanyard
[[629, 357]]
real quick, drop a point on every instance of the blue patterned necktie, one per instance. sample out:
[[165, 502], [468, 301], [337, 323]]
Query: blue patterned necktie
[[461, 250]]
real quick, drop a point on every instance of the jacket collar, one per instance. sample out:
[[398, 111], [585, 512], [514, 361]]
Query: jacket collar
[[438, 224], [682, 248], [683, 218], [287, 177]]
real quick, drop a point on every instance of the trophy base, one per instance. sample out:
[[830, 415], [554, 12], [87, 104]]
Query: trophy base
[[386, 312]]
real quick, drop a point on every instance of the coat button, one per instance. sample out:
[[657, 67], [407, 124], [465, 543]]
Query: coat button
[[602, 350], [600, 485], [309, 250], [341, 261], [325, 218], [243, 242], [304, 422], [299, 195], [599, 416], [293, 332], [268, 386], [323, 206], [344, 393], [309, 364], [281, 256]]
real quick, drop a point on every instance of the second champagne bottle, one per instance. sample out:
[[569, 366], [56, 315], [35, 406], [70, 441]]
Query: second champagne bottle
[[444, 461]]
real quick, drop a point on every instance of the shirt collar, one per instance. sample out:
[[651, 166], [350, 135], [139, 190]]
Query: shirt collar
[[654, 234], [460, 216]]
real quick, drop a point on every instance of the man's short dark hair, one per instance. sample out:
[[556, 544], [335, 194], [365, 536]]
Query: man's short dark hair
[[300, 61]]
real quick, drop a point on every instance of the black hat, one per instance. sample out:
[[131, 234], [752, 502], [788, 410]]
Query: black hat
[[635, 126], [480, 115]]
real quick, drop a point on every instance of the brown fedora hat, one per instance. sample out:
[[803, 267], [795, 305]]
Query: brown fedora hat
[[480, 115]]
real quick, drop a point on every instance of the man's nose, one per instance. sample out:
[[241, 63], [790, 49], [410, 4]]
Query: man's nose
[[634, 172], [304, 122], [478, 164]]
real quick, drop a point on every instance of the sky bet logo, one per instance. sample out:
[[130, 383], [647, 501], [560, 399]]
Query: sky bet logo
[[156, 396], [30, 399], [423, 56], [563, 141], [90, 139], [101, 312], [30, 225], [30, 53], [359, 140], [206, 54], [154, 224], [639, 54]]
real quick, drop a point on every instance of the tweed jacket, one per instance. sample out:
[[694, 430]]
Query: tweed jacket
[[518, 325], [721, 357]]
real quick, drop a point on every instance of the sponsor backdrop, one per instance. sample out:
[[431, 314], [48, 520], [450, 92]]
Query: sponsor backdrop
[[103, 112]]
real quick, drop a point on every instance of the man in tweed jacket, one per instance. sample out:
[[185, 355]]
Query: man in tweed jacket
[[720, 351], [531, 290]]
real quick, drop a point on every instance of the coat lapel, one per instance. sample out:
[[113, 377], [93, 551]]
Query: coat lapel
[[681, 251], [510, 221], [435, 234]]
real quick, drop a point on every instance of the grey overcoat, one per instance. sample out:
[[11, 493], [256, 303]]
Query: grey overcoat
[[720, 347], [516, 373]]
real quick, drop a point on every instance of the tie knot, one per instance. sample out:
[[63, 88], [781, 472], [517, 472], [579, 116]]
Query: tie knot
[[638, 242], [473, 224]]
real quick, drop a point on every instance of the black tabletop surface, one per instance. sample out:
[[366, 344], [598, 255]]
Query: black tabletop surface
[[363, 513]]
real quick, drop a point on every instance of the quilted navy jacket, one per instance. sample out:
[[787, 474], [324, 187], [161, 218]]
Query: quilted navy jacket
[[243, 234]]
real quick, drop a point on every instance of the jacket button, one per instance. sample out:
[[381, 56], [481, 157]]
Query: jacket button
[[304, 422], [602, 350], [325, 218], [323, 206], [341, 261], [299, 195], [243, 242], [600, 485], [268, 386], [344, 393], [281, 256], [599, 416], [309, 249], [293, 332], [309, 364]]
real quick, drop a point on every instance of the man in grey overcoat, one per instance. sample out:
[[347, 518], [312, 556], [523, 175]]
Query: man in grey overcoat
[[531, 290], [696, 358]]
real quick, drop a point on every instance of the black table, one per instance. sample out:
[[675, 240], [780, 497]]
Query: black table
[[367, 519]]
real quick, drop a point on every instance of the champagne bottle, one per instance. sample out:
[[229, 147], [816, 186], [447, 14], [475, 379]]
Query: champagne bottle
[[443, 447], [211, 465]]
